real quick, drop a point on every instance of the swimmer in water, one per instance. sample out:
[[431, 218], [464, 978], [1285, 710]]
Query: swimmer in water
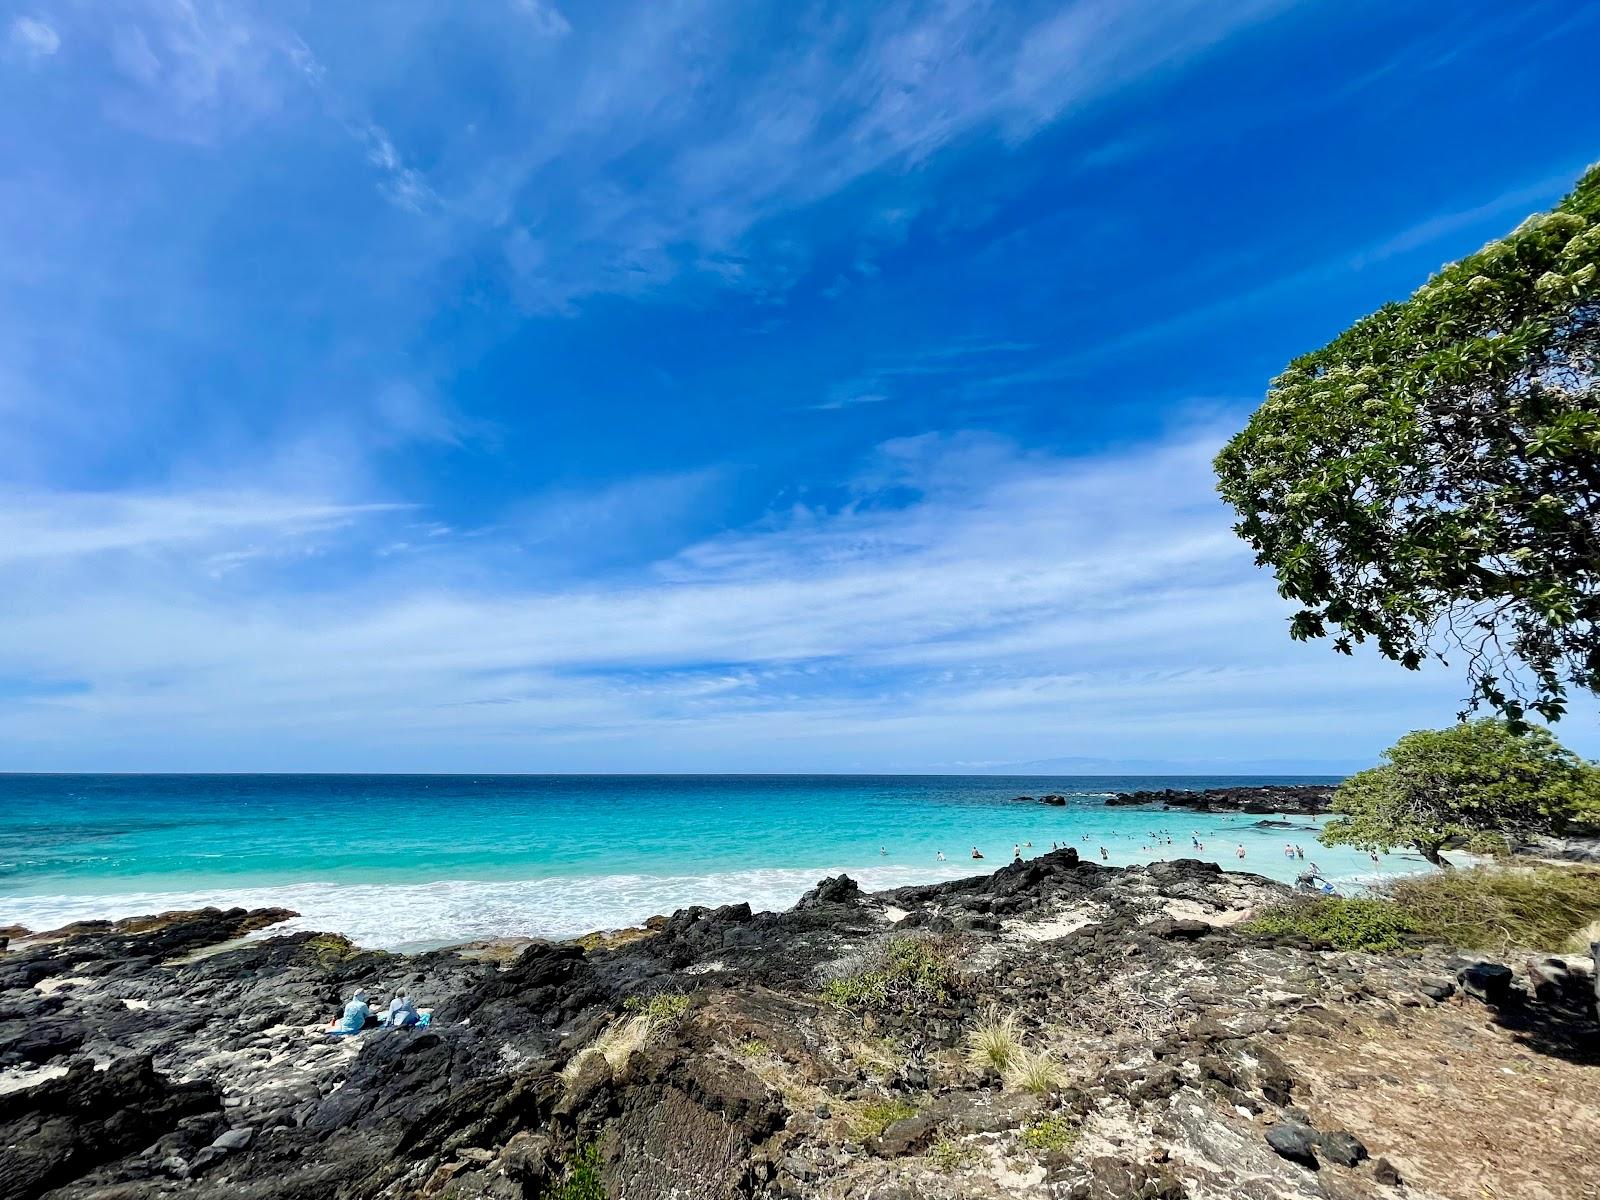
[[1240, 852], [940, 855], [976, 853], [1103, 855], [881, 850]]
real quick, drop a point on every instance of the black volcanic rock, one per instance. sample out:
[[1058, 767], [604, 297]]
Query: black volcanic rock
[[63, 1127], [751, 1091], [1307, 799]]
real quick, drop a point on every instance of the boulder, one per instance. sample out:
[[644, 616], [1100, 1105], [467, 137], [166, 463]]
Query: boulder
[[1341, 1148], [1294, 1141], [905, 1136], [64, 1127], [1486, 981], [835, 889]]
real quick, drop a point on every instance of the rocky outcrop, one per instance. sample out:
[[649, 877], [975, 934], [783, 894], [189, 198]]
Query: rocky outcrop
[[1308, 799], [734, 1054]]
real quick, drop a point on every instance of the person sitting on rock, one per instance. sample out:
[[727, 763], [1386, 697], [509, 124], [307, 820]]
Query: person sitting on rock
[[402, 1013], [354, 1017]]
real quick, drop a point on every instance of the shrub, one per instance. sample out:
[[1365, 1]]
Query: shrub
[[907, 970], [1055, 1132], [1371, 925], [1501, 908], [994, 1042], [1034, 1071], [1477, 780]]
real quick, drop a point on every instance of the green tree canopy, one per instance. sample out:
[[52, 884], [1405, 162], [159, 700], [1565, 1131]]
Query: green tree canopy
[[1430, 480], [1480, 777]]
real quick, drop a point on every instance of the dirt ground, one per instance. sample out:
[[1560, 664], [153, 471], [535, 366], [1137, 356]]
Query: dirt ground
[[1465, 1107]]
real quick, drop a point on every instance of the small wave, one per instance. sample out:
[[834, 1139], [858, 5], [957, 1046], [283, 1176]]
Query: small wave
[[409, 916]]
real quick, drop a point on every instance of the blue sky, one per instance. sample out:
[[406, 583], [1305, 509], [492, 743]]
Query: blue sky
[[535, 385]]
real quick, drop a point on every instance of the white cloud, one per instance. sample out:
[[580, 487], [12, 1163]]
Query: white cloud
[[1020, 606], [34, 37], [545, 19]]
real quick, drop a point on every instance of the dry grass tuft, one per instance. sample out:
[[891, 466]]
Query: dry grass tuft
[[994, 1043], [1036, 1071]]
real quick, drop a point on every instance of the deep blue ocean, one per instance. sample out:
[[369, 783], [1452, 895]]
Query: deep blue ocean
[[410, 860]]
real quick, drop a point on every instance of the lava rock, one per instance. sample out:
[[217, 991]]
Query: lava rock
[[835, 889], [1437, 989], [1386, 1173], [1341, 1148], [1486, 981], [1294, 1141]]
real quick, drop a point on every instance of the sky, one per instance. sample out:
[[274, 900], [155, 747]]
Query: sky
[[535, 385]]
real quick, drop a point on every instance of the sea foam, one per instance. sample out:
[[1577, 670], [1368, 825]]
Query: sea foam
[[421, 915]]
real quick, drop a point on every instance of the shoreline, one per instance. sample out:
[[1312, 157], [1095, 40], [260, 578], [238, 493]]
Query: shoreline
[[437, 914], [736, 1055]]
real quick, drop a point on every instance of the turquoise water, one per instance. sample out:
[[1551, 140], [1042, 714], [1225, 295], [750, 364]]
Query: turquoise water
[[401, 861]]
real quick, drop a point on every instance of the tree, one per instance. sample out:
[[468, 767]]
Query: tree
[[1479, 777], [1430, 480]]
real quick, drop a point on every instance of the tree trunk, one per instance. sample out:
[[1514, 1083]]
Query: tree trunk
[[1430, 851]]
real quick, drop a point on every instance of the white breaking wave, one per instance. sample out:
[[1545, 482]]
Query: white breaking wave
[[415, 915]]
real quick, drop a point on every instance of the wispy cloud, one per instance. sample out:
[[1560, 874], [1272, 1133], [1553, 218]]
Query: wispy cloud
[[543, 17], [847, 100], [34, 37], [1000, 604]]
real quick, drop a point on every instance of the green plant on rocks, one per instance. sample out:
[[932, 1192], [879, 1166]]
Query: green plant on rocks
[[660, 1010], [907, 970], [873, 1118], [948, 1155], [1337, 923], [1052, 1133], [581, 1179], [329, 949]]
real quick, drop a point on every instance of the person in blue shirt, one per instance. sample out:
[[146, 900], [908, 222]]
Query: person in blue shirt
[[354, 1017]]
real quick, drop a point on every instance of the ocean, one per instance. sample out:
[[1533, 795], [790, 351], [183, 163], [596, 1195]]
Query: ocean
[[406, 862]]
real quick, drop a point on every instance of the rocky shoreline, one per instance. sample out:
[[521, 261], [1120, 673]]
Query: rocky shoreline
[[819, 1052], [1299, 799]]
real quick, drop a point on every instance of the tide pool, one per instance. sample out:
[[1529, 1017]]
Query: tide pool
[[407, 861]]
